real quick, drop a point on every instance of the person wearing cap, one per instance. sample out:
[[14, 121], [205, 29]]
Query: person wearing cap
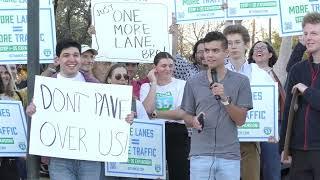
[[87, 58]]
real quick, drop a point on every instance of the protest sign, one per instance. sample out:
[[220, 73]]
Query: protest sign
[[13, 129], [129, 31], [262, 120], [292, 13], [191, 10], [194, 10], [78, 120], [146, 152], [247, 9], [13, 36]]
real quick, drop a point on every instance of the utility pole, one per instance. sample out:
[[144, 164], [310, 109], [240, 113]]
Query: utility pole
[[33, 162], [270, 35]]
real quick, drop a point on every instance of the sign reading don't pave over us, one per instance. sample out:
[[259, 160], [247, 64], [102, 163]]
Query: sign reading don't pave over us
[[79, 120]]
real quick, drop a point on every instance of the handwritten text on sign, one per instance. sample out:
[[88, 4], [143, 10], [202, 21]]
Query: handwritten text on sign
[[78, 120], [136, 28]]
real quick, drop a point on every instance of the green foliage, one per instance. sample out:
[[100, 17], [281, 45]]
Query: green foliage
[[276, 41], [73, 19]]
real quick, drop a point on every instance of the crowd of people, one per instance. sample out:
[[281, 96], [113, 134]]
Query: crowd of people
[[202, 101]]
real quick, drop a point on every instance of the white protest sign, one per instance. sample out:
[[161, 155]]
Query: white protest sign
[[246, 9], [147, 157], [129, 31], [292, 13], [13, 129], [191, 10], [13, 36], [262, 120], [78, 120]]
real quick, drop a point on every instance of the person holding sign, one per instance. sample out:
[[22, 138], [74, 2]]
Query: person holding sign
[[238, 43], [118, 74], [263, 54], [162, 98], [223, 97], [304, 77], [8, 165], [68, 53], [185, 70]]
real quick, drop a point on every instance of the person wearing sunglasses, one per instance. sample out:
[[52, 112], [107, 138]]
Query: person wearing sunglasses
[[118, 74]]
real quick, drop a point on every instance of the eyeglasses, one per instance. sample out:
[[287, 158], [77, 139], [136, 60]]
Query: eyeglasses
[[261, 48], [119, 76]]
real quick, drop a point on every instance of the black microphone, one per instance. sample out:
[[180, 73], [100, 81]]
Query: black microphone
[[201, 121], [215, 79], [134, 107]]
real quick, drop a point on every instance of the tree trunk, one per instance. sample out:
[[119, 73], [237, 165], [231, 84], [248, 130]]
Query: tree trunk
[[253, 35]]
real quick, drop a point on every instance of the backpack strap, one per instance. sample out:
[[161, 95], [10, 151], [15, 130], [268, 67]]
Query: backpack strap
[[19, 95]]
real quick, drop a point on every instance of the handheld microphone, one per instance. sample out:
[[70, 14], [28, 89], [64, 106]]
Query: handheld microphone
[[134, 107], [215, 79]]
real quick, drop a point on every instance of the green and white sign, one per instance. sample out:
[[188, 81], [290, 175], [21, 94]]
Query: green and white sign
[[13, 129], [146, 152], [292, 13], [243, 9], [14, 35], [192, 10], [262, 120]]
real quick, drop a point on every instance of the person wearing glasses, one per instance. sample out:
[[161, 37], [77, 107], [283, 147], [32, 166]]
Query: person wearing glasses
[[185, 70], [263, 54], [118, 74]]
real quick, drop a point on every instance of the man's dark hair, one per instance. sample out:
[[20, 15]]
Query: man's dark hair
[[216, 36], [192, 58], [66, 43], [237, 29], [161, 55], [311, 18], [273, 58]]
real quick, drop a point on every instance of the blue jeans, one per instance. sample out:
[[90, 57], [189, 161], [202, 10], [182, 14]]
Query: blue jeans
[[270, 161], [70, 169], [213, 168]]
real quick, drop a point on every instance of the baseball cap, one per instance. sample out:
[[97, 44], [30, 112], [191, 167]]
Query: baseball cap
[[85, 48]]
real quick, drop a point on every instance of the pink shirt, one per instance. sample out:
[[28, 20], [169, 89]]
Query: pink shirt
[[136, 85]]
